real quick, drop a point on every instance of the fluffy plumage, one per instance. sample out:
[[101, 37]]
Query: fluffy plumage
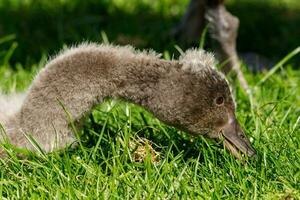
[[179, 92], [10, 104]]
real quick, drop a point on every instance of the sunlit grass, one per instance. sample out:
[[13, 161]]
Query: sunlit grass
[[104, 167]]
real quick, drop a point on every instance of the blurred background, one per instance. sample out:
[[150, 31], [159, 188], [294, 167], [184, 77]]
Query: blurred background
[[31, 29]]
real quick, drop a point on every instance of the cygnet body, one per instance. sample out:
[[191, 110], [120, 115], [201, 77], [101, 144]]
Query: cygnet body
[[188, 93]]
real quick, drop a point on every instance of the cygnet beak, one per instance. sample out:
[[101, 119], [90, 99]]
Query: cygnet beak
[[235, 139]]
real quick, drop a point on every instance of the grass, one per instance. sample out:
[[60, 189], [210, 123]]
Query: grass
[[105, 166], [272, 25]]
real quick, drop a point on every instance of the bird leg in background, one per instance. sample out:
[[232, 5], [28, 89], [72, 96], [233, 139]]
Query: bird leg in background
[[223, 28]]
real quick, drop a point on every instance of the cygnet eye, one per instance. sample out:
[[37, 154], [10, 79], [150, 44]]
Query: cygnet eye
[[219, 101]]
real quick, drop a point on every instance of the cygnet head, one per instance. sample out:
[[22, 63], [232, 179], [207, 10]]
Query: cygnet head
[[208, 106]]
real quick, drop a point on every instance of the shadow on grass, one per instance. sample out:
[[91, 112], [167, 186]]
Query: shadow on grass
[[43, 27], [269, 28], [141, 124]]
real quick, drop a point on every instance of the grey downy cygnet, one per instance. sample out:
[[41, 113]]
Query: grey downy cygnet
[[188, 93]]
